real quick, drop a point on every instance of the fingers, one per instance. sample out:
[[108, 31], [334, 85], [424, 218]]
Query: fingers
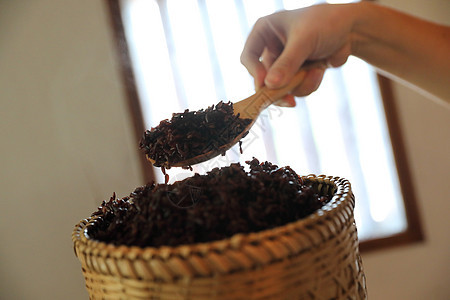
[[279, 44], [287, 101], [311, 82], [267, 59], [260, 42], [258, 71], [250, 58], [340, 57], [294, 54], [309, 85], [262, 47]]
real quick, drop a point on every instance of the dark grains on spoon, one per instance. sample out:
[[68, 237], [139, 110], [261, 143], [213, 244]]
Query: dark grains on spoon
[[192, 133]]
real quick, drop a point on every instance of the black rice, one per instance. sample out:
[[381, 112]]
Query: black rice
[[207, 207], [192, 133]]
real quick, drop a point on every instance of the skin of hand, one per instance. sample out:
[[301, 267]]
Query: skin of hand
[[401, 45], [280, 43]]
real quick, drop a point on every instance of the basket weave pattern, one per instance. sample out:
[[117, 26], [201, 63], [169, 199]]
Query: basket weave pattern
[[313, 258]]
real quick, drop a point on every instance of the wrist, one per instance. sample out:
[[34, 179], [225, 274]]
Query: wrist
[[360, 19]]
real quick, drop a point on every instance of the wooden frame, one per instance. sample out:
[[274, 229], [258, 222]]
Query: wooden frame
[[413, 233], [129, 82]]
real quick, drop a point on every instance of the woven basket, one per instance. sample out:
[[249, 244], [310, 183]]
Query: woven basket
[[313, 258]]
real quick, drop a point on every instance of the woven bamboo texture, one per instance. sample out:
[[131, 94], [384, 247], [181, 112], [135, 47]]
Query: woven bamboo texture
[[313, 258]]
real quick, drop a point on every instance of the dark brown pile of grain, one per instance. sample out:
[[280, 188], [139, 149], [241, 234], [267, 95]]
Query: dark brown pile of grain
[[207, 207]]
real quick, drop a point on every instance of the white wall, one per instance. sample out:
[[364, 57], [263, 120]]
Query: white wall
[[65, 137], [67, 144]]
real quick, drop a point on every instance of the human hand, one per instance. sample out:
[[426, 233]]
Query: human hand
[[281, 43]]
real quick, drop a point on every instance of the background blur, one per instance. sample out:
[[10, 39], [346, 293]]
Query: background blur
[[67, 144]]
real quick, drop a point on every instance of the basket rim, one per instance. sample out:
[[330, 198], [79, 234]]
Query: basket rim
[[342, 204]]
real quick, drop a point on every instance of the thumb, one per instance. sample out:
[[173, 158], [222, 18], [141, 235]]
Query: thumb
[[294, 54], [285, 66], [278, 74]]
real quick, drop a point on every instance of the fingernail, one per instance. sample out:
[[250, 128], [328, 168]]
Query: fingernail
[[287, 101], [284, 104], [274, 77]]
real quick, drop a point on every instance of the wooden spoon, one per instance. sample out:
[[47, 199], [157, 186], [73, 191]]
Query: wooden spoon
[[251, 108]]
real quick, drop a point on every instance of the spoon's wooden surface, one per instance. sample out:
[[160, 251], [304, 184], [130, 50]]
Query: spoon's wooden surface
[[251, 108]]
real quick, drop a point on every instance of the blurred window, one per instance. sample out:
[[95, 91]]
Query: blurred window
[[185, 54]]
